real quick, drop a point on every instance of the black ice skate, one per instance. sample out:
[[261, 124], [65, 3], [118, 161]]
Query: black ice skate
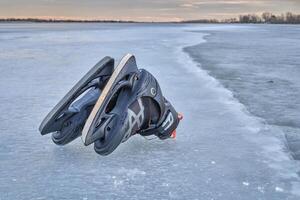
[[130, 103], [68, 117]]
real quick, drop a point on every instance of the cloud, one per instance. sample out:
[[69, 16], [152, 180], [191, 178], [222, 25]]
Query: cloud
[[144, 9], [216, 3]]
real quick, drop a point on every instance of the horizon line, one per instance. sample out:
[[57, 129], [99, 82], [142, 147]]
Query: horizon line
[[242, 18], [78, 19]]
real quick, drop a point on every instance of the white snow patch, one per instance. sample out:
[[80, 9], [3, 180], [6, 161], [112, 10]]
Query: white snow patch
[[165, 184], [173, 195], [132, 173], [39, 198], [208, 180], [278, 189], [118, 183], [246, 183], [261, 189]]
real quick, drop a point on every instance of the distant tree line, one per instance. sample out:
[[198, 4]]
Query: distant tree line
[[266, 17], [288, 18], [60, 20], [202, 21]]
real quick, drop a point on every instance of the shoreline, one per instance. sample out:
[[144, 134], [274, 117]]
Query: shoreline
[[46, 21]]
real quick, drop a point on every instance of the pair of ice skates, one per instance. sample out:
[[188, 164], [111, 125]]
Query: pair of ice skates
[[110, 104]]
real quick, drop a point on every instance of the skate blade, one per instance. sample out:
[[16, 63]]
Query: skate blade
[[87, 134], [102, 68]]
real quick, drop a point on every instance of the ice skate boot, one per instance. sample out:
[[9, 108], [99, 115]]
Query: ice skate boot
[[131, 103], [67, 118]]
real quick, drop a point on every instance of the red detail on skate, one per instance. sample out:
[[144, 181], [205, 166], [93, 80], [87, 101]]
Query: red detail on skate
[[180, 116], [173, 135]]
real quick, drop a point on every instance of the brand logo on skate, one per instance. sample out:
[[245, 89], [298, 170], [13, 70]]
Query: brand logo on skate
[[134, 119], [153, 91], [168, 121]]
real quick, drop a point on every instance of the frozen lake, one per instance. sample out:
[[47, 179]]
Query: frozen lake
[[225, 147]]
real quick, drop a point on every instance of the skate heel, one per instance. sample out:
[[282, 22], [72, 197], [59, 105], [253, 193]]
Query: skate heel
[[173, 135], [180, 116]]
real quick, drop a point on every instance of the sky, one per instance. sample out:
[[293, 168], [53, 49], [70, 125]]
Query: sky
[[143, 10]]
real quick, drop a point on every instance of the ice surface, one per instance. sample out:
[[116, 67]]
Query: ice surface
[[260, 64], [221, 150]]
